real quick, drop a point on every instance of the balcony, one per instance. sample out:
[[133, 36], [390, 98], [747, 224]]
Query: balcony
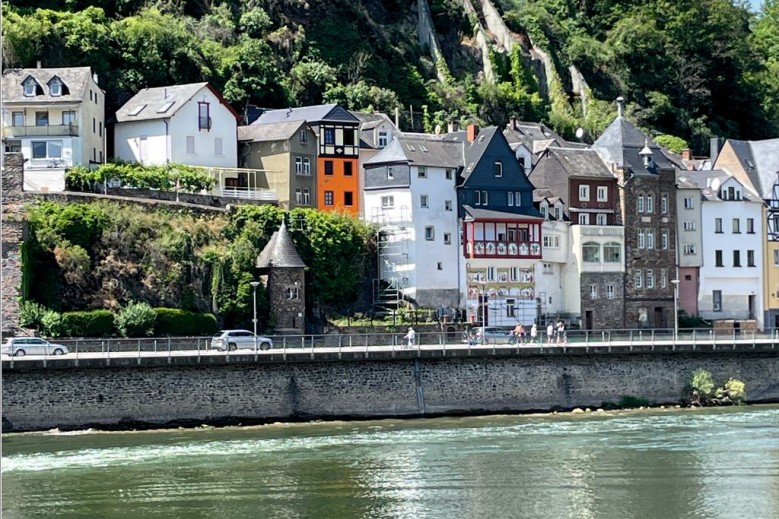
[[602, 230], [610, 266], [502, 249], [57, 130]]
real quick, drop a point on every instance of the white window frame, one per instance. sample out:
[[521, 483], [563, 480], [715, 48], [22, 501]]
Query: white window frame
[[387, 202], [421, 172], [664, 239], [383, 139], [429, 233], [584, 192], [55, 88], [664, 204], [390, 173], [306, 196], [447, 238], [638, 279], [303, 136], [510, 196], [641, 242], [650, 278], [688, 249], [29, 88], [689, 203], [610, 291], [424, 201], [601, 219], [593, 291], [603, 193], [547, 269], [307, 166], [584, 219], [640, 204], [497, 169], [650, 204], [551, 241], [650, 239], [689, 225], [663, 278]]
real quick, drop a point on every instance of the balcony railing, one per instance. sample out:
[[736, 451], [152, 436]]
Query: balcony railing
[[249, 193], [56, 130], [612, 266], [490, 248], [602, 230]]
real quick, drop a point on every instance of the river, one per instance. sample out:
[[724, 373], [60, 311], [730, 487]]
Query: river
[[658, 464]]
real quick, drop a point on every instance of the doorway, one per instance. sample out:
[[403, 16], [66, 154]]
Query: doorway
[[659, 317], [588, 324]]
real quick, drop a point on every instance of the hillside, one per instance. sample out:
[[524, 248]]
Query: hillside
[[689, 68]]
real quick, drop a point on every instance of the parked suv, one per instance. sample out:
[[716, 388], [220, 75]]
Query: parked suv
[[19, 346], [233, 339]]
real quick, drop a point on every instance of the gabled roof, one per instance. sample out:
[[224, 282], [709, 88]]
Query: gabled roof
[[269, 132], [420, 150], [392, 154], [621, 144], [579, 162], [312, 114], [280, 251], [760, 161], [473, 151], [163, 102], [75, 78], [709, 183]]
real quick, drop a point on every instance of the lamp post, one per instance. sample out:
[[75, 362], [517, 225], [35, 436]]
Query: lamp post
[[254, 285], [675, 283]]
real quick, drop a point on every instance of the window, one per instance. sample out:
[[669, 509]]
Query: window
[[190, 144], [497, 168], [547, 269], [218, 147], [736, 258], [510, 195], [612, 252], [447, 238], [298, 195], [650, 239], [584, 219], [491, 274], [479, 198], [716, 300], [329, 198], [510, 307], [638, 279], [306, 166], [298, 165], [558, 213], [440, 266], [650, 204], [776, 257], [664, 204], [390, 173], [46, 149], [718, 259], [688, 249], [136, 110], [601, 219], [348, 198], [514, 273], [750, 258], [421, 172], [306, 196], [447, 205], [551, 241], [17, 118], [584, 193], [383, 139], [41, 118], [641, 243], [593, 291], [650, 279], [689, 225], [94, 125], [100, 128], [750, 226], [387, 202], [29, 88], [591, 252], [688, 202], [203, 116], [641, 203], [736, 226], [330, 136], [329, 167], [348, 168], [430, 233], [544, 211], [603, 194], [609, 291], [448, 174], [293, 293], [663, 278], [423, 201], [664, 239], [303, 136], [348, 136]]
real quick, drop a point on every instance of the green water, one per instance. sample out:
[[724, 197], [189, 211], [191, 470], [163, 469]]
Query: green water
[[721, 463]]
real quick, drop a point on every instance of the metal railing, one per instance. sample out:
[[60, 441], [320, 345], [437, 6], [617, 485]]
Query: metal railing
[[51, 130]]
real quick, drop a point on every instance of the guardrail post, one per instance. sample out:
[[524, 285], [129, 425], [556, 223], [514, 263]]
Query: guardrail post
[[155, 346], [339, 340], [108, 353], [198, 350], [350, 341], [139, 352]]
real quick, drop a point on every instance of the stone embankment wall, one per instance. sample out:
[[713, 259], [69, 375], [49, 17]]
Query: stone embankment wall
[[12, 236], [272, 389]]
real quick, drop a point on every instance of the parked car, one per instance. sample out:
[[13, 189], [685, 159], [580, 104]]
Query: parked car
[[231, 340], [20, 346], [492, 335]]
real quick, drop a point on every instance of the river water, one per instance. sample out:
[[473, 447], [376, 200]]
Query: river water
[[660, 464]]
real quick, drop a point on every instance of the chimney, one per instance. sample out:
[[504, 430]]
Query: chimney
[[452, 126], [686, 154], [165, 93], [620, 106], [715, 144], [38, 64], [513, 122], [472, 132]]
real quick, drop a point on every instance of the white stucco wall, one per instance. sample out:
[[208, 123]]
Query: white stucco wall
[[689, 237], [129, 140]]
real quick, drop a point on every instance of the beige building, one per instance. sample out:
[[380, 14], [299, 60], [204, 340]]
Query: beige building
[[285, 155]]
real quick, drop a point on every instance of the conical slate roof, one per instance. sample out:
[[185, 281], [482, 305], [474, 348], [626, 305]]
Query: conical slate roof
[[280, 252]]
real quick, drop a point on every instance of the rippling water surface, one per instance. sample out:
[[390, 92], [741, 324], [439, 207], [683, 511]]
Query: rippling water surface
[[721, 463]]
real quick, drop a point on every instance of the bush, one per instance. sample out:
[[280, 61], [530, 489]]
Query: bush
[[31, 314], [92, 323], [51, 324], [702, 382], [173, 321], [736, 390], [135, 320]]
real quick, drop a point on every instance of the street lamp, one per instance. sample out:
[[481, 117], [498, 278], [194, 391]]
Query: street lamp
[[254, 285], [675, 283]]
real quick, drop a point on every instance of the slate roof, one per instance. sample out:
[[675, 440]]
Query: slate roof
[[154, 100], [705, 181], [487, 214], [472, 151], [75, 78], [392, 154], [280, 251], [269, 132], [420, 150], [580, 162], [312, 114], [760, 160], [621, 143]]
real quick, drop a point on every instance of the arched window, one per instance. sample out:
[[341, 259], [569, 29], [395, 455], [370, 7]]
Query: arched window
[[640, 203], [612, 252], [591, 252], [650, 204]]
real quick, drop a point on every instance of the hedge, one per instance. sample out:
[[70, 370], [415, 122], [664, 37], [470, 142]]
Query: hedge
[[91, 323], [172, 321]]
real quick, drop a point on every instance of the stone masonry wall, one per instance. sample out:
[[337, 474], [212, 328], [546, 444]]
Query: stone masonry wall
[[77, 397], [606, 313], [12, 236]]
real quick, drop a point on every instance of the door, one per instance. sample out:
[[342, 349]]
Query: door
[[659, 317], [588, 320], [751, 304]]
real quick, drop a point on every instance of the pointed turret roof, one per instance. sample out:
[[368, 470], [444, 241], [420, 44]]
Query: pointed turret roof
[[625, 146], [280, 252]]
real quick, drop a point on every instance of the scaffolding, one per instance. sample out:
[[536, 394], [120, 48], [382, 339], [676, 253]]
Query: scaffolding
[[393, 239]]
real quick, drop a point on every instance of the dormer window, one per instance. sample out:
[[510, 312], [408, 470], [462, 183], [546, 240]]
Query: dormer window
[[544, 211], [55, 88], [383, 139], [30, 87], [497, 168]]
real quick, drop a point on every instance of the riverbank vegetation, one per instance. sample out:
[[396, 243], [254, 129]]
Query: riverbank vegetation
[[705, 392]]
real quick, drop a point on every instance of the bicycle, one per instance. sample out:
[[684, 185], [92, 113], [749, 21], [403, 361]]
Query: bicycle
[[56, 163]]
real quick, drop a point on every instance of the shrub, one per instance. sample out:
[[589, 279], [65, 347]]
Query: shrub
[[92, 323], [736, 390], [31, 314], [135, 320], [51, 324], [702, 382], [173, 321]]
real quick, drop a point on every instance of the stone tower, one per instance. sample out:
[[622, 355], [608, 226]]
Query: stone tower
[[283, 274], [13, 234]]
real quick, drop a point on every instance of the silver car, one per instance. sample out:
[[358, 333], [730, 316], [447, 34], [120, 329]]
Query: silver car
[[231, 340], [19, 346]]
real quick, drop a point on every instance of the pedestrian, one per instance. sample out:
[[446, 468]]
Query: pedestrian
[[533, 333], [560, 331], [410, 337], [517, 334], [549, 333]]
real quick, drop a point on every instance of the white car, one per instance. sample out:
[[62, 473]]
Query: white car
[[20, 346], [231, 340]]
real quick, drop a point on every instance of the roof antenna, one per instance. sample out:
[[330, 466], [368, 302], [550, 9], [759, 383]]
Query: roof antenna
[[620, 106]]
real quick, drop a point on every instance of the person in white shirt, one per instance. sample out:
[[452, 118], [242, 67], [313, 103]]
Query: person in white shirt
[[549, 333], [533, 333], [410, 337]]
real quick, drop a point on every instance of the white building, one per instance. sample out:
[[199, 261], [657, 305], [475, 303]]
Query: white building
[[185, 124], [377, 132], [55, 117], [731, 284], [410, 194]]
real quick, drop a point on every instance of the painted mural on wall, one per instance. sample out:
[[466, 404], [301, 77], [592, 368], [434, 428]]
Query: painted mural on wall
[[509, 294]]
